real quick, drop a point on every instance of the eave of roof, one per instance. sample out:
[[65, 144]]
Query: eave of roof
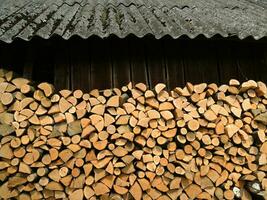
[[44, 18]]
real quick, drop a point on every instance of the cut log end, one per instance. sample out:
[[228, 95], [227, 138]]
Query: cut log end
[[198, 142]]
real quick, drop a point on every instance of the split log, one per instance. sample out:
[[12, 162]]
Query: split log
[[197, 142]]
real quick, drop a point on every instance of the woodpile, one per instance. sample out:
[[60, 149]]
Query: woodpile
[[198, 142]]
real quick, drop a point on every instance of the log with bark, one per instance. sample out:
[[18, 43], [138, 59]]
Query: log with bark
[[198, 142]]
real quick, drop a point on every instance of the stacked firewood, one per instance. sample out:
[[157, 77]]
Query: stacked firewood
[[198, 142]]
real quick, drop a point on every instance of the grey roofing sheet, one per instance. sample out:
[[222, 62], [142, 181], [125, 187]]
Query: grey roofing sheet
[[44, 18]]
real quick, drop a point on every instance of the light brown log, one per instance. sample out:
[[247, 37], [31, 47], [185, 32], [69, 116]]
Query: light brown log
[[170, 133], [123, 120], [63, 171], [64, 105], [262, 118], [210, 115], [120, 190], [74, 128], [47, 88], [137, 142], [26, 89], [24, 168], [136, 191], [113, 101], [54, 175], [98, 109], [180, 154], [153, 114], [167, 115], [119, 152], [65, 155], [75, 172], [141, 86], [88, 192], [181, 139], [159, 87], [263, 148], [200, 88], [6, 151], [231, 129], [54, 186], [12, 88], [100, 189], [236, 111], [152, 102], [143, 122], [16, 181], [228, 194], [100, 145], [3, 165], [246, 105], [18, 82], [234, 82], [193, 191], [193, 125], [107, 93], [6, 98], [78, 94], [166, 106], [101, 163], [14, 162]]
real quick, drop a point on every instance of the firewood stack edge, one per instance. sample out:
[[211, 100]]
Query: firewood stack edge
[[198, 142]]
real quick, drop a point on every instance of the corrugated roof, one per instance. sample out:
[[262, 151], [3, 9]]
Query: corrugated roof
[[27, 18]]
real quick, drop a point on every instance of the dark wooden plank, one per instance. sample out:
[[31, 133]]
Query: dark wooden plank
[[263, 62], [120, 62], [174, 63], [2, 54], [12, 58], [245, 59], [208, 63], [200, 62], [6, 57], [101, 66], [17, 57], [43, 69], [192, 61], [259, 54], [227, 63], [97, 63], [138, 61], [61, 65], [28, 63], [80, 65], [155, 61]]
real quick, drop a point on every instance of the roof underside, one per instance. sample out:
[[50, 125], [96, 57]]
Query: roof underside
[[44, 18]]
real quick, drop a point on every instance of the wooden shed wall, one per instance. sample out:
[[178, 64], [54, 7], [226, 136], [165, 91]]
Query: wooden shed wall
[[113, 62]]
